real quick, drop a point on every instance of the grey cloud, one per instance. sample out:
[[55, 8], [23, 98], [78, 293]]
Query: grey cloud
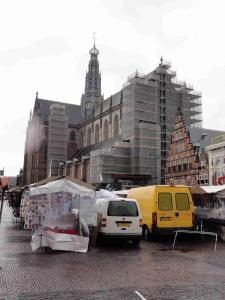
[[42, 48]]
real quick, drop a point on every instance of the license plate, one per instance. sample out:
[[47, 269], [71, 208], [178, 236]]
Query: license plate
[[123, 224], [165, 218]]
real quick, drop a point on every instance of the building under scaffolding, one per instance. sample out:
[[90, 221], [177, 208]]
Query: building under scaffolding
[[124, 138], [146, 108]]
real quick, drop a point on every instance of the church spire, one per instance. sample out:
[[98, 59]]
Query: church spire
[[92, 92], [94, 50]]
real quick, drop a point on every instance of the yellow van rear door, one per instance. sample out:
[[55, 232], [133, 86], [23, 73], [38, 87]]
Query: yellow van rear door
[[183, 211], [165, 212]]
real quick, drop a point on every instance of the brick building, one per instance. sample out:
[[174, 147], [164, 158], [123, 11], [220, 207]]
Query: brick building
[[187, 160]]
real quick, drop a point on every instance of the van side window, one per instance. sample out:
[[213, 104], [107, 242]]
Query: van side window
[[182, 201], [165, 201]]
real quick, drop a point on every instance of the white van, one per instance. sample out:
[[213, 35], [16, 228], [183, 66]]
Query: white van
[[120, 218]]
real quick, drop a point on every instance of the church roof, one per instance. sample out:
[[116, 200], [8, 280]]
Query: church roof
[[73, 111], [102, 145], [113, 101]]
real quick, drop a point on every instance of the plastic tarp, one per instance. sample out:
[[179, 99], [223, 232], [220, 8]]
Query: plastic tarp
[[106, 194], [59, 241], [63, 211], [122, 193]]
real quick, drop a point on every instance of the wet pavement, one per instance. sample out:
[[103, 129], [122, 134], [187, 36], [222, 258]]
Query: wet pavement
[[113, 271]]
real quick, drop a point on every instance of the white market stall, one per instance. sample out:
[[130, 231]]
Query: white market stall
[[60, 213], [210, 207]]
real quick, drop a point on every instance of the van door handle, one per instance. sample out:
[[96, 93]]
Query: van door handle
[[176, 214]]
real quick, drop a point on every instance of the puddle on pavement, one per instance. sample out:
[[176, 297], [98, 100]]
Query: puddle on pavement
[[171, 249]]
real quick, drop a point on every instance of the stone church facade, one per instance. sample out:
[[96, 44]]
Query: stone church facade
[[124, 138]]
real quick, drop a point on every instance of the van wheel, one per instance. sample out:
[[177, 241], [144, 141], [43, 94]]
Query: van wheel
[[136, 242], [145, 233]]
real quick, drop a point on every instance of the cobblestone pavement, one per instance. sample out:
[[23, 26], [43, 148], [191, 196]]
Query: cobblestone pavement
[[113, 271]]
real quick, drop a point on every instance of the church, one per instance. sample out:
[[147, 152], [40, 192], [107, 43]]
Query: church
[[121, 140]]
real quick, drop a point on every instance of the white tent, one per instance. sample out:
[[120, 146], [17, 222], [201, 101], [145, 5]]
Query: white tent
[[56, 204]]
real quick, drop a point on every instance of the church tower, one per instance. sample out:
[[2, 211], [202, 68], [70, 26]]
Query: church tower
[[92, 93]]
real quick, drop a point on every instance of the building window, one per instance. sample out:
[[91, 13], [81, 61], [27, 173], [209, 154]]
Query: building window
[[89, 137], [96, 133], [106, 130], [45, 154], [116, 126], [72, 136]]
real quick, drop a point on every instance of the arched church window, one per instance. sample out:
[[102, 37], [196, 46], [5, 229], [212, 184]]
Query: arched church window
[[81, 139], [72, 136], [45, 132], [96, 133], [116, 126], [106, 130], [89, 137]]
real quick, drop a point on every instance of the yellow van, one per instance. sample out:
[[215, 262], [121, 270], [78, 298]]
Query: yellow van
[[164, 208]]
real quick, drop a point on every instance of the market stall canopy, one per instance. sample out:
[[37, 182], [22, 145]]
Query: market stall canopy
[[15, 189], [63, 184], [68, 178], [213, 189], [197, 190]]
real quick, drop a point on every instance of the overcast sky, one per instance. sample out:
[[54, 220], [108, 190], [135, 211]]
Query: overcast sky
[[45, 47]]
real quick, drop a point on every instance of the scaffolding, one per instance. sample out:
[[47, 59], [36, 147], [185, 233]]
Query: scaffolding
[[57, 138], [149, 106]]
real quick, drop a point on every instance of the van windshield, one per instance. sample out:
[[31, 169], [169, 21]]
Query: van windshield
[[122, 208]]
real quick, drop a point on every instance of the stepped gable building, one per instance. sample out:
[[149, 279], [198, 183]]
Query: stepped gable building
[[124, 138], [187, 160]]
